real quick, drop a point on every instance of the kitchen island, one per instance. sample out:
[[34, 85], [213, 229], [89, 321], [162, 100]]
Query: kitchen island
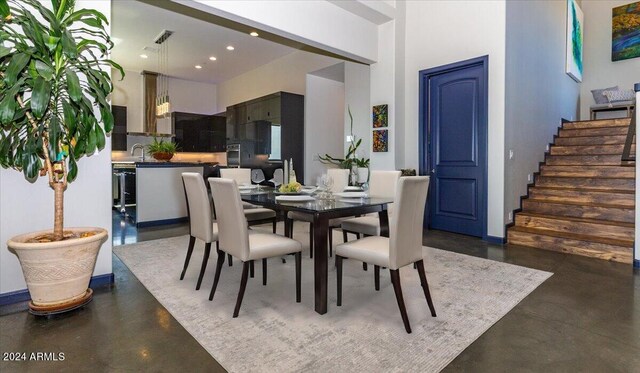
[[159, 194]]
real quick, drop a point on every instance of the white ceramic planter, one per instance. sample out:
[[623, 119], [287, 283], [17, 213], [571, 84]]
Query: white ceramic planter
[[363, 174], [58, 273]]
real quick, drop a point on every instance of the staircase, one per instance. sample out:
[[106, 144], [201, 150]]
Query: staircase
[[582, 201]]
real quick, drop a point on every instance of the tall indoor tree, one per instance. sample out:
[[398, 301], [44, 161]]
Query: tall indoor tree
[[54, 84]]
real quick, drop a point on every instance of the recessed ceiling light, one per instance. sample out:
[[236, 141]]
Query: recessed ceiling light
[[230, 47], [198, 67], [253, 33], [144, 56], [212, 58]]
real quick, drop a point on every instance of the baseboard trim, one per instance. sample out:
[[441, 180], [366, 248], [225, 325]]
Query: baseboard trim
[[154, 223], [636, 263], [496, 240], [23, 295]]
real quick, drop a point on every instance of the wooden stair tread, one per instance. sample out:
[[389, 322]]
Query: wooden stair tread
[[591, 204], [576, 219], [574, 236], [616, 191]]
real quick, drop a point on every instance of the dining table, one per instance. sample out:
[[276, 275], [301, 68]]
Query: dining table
[[322, 210]]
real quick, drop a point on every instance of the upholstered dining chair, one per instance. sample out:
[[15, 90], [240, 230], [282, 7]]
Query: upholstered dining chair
[[201, 225], [236, 239], [382, 184], [340, 179], [401, 248]]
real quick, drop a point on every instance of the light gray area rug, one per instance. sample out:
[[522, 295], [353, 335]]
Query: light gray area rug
[[273, 333]]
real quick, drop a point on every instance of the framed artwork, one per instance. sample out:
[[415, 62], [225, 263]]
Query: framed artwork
[[381, 116], [380, 141], [575, 22], [625, 32]]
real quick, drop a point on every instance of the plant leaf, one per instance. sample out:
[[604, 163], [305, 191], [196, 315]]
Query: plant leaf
[[40, 97], [44, 70], [72, 170], [100, 138], [73, 83], [69, 47], [4, 9], [17, 64], [107, 119]]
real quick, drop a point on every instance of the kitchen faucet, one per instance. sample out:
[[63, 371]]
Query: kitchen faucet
[[138, 146]]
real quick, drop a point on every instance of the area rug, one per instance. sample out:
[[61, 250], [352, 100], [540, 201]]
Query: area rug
[[273, 333]]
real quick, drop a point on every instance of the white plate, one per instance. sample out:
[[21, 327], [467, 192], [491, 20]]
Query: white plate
[[247, 187], [351, 194], [310, 190], [295, 198], [352, 189]]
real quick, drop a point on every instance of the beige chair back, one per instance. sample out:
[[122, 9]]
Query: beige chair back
[[198, 206], [240, 175], [340, 178], [383, 184], [233, 233], [405, 226]]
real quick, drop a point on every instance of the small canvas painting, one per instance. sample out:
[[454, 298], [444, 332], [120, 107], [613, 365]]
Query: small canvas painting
[[381, 141], [625, 32], [575, 22], [380, 116]]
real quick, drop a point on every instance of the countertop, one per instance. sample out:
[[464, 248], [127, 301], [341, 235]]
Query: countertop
[[153, 164]]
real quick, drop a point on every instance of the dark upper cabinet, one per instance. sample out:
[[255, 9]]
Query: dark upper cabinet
[[250, 123], [119, 133], [200, 133]]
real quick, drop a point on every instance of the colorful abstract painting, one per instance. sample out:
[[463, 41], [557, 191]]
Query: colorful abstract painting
[[381, 141], [575, 32], [625, 32], [380, 116]]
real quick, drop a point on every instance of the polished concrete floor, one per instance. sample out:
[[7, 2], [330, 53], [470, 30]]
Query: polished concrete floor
[[585, 318]]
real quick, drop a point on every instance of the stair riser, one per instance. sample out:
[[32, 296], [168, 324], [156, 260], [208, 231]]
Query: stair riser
[[598, 123], [587, 150], [626, 215], [581, 171], [584, 248], [591, 140], [561, 195], [584, 160], [620, 131], [586, 183], [577, 227]]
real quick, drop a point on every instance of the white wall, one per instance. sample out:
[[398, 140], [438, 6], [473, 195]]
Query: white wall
[[324, 123], [29, 207], [186, 96], [443, 32], [314, 22], [383, 92], [357, 93], [637, 232], [538, 91], [286, 74], [599, 70]]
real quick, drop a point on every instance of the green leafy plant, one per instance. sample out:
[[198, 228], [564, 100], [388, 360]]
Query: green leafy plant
[[362, 162], [162, 147], [349, 158], [53, 91]]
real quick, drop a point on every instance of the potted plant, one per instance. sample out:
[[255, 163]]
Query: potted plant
[[350, 160], [53, 112], [363, 169], [162, 150]]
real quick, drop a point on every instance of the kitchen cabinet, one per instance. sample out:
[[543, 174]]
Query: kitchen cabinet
[[200, 133], [119, 133], [257, 123]]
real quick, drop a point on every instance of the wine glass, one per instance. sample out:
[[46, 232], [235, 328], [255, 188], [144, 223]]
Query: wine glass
[[257, 176], [326, 182]]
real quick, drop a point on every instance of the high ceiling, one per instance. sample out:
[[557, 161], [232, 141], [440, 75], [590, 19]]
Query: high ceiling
[[135, 25]]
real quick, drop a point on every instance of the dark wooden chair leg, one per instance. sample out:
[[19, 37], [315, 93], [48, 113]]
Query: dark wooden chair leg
[[364, 266], [425, 286], [298, 277], [344, 236], [339, 278], [230, 258], [264, 271], [251, 268], [376, 277], [357, 236], [311, 240], [205, 259], [395, 280], [275, 222], [216, 278], [330, 237], [243, 286], [192, 243], [290, 228]]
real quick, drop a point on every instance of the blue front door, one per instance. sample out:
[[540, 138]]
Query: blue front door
[[454, 145]]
